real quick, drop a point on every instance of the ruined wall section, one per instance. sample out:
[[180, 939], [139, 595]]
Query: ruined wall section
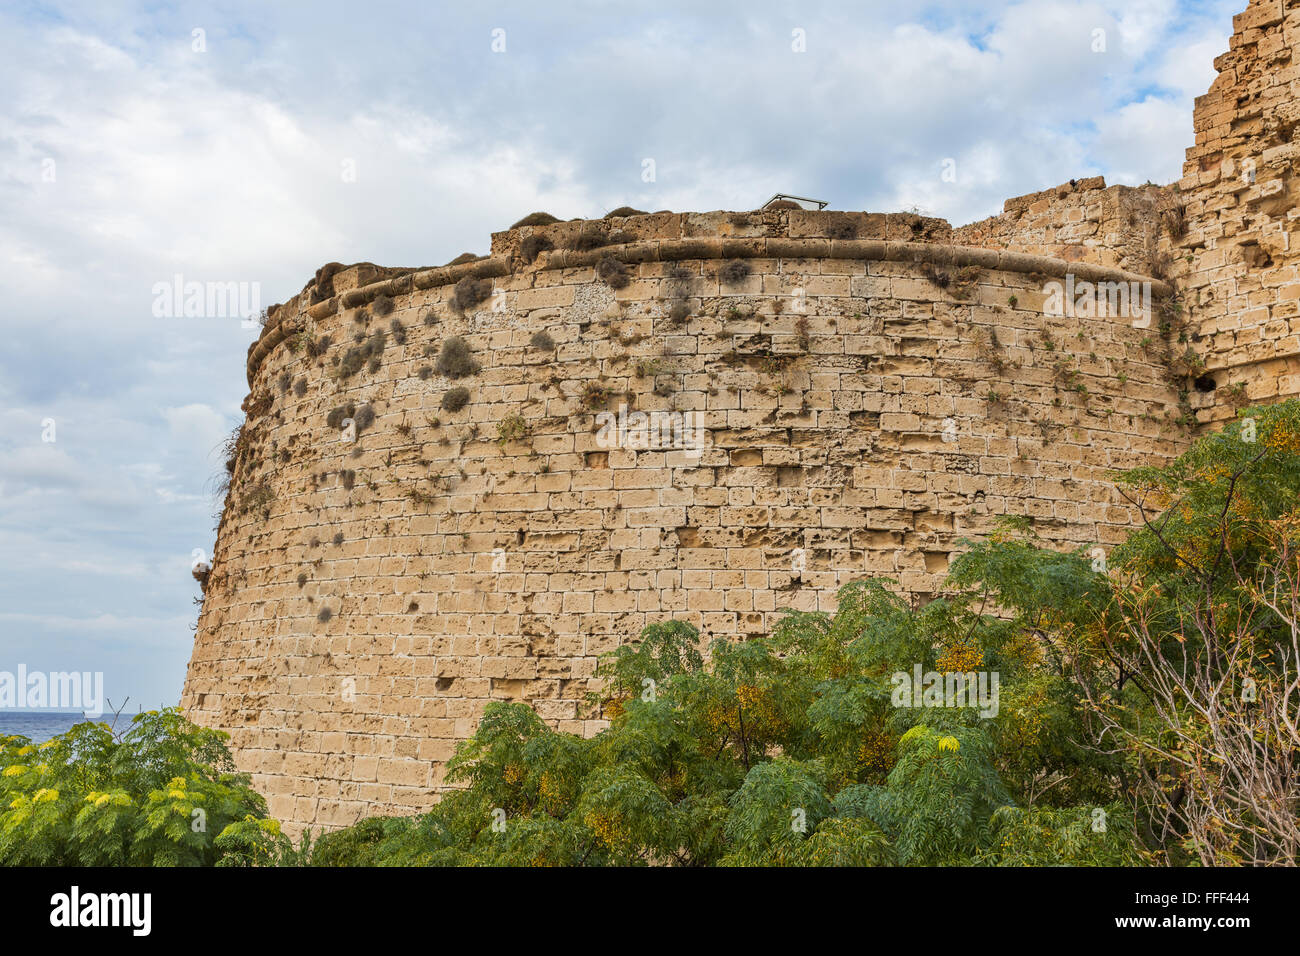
[[1080, 221], [1236, 256], [868, 401]]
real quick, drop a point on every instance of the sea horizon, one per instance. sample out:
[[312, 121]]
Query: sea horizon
[[40, 725]]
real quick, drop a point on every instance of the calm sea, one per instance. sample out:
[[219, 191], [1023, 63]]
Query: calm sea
[[40, 726]]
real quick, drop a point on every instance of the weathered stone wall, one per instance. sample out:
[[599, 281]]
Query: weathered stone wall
[[1080, 221], [872, 388], [1236, 260], [866, 401]]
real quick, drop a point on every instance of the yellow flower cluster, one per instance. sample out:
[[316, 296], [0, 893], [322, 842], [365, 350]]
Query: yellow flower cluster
[[1283, 438], [760, 711], [960, 658], [876, 752], [607, 827], [551, 794]]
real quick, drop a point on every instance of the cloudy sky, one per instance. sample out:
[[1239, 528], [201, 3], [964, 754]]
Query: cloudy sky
[[252, 142]]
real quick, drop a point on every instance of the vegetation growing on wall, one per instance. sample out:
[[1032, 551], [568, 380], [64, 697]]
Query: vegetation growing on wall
[[455, 359], [734, 272], [454, 399], [469, 292], [536, 219]]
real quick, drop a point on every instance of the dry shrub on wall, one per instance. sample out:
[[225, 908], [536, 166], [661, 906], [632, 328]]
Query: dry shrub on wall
[[535, 219], [533, 246], [455, 360], [337, 415], [613, 273], [587, 239], [734, 272], [455, 399], [364, 418], [469, 292], [841, 227], [369, 354]]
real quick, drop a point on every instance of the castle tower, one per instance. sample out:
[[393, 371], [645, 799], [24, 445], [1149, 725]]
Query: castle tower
[[465, 484], [1234, 258]]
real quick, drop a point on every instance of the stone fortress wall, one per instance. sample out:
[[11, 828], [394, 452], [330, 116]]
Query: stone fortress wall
[[866, 391]]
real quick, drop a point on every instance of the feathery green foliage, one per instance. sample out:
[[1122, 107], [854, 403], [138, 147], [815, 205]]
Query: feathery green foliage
[[164, 793]]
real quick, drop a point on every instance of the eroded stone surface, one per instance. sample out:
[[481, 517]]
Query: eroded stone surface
[[872, 389]]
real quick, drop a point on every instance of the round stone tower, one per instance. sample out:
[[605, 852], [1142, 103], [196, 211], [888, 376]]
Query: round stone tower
[[465, 484]]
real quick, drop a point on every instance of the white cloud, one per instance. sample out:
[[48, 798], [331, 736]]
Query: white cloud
[[1129, 138]]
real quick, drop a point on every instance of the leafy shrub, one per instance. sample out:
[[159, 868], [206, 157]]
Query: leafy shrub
[[398, 332], [623, 211], [679, 313], [382, 305], [253, 842], [455, 359], [163, 793], [354, 846], [595, 395], [463, 258], [1117, 700], [542, 340], [511, 428]]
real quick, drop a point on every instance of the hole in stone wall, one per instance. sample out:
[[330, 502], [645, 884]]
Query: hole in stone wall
[[1205, 383]]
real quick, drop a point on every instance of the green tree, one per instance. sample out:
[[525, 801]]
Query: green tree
[[164, 793]]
